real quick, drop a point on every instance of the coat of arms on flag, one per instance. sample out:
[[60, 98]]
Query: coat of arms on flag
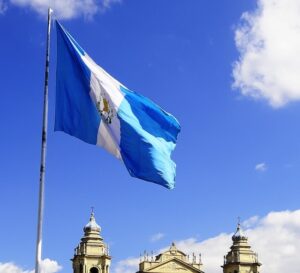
[[105, 109]]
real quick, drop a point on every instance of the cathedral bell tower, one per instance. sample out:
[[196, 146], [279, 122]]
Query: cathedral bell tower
[[240, 258], [91, 255]]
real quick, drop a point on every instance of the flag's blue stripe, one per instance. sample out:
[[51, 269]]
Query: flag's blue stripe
[[148, 137], [76, 113]]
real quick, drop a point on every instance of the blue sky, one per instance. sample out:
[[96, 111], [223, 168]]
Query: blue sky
[[237, 154]]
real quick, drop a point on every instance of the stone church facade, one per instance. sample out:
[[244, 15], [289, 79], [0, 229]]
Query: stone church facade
[[171, 261], [92, 256]]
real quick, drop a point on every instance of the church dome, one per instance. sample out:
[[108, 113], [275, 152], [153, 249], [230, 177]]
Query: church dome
[[239, 234], [92, 225]]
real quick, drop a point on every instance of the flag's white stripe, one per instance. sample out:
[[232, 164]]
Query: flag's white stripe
[[106, 141], [101, 81], [109, 136]]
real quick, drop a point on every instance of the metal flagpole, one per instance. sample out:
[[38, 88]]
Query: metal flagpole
[[38, 257]]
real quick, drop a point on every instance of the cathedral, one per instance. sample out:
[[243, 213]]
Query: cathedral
[[92, 256]]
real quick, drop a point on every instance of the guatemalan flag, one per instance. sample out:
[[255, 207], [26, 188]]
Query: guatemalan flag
[[96, 108]]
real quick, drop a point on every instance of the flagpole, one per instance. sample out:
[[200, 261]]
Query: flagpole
[[38, 257]]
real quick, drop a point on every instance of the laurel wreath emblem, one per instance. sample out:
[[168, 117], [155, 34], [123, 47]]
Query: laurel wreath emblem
[[105, 110]]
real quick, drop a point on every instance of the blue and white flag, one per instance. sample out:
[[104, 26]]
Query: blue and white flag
[[96, 108]]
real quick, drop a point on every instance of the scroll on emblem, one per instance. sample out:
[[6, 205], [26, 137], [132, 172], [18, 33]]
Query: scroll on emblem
[[105, 110]]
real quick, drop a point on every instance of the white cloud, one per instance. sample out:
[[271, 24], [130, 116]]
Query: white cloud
[[276, 238], [156, 237], [12, 268], [268, 40], [129, 265], [261, 167], [250, 222], [47, 266], [3, 6], [67, 9]]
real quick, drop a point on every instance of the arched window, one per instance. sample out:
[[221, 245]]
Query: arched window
[[94, 270]]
